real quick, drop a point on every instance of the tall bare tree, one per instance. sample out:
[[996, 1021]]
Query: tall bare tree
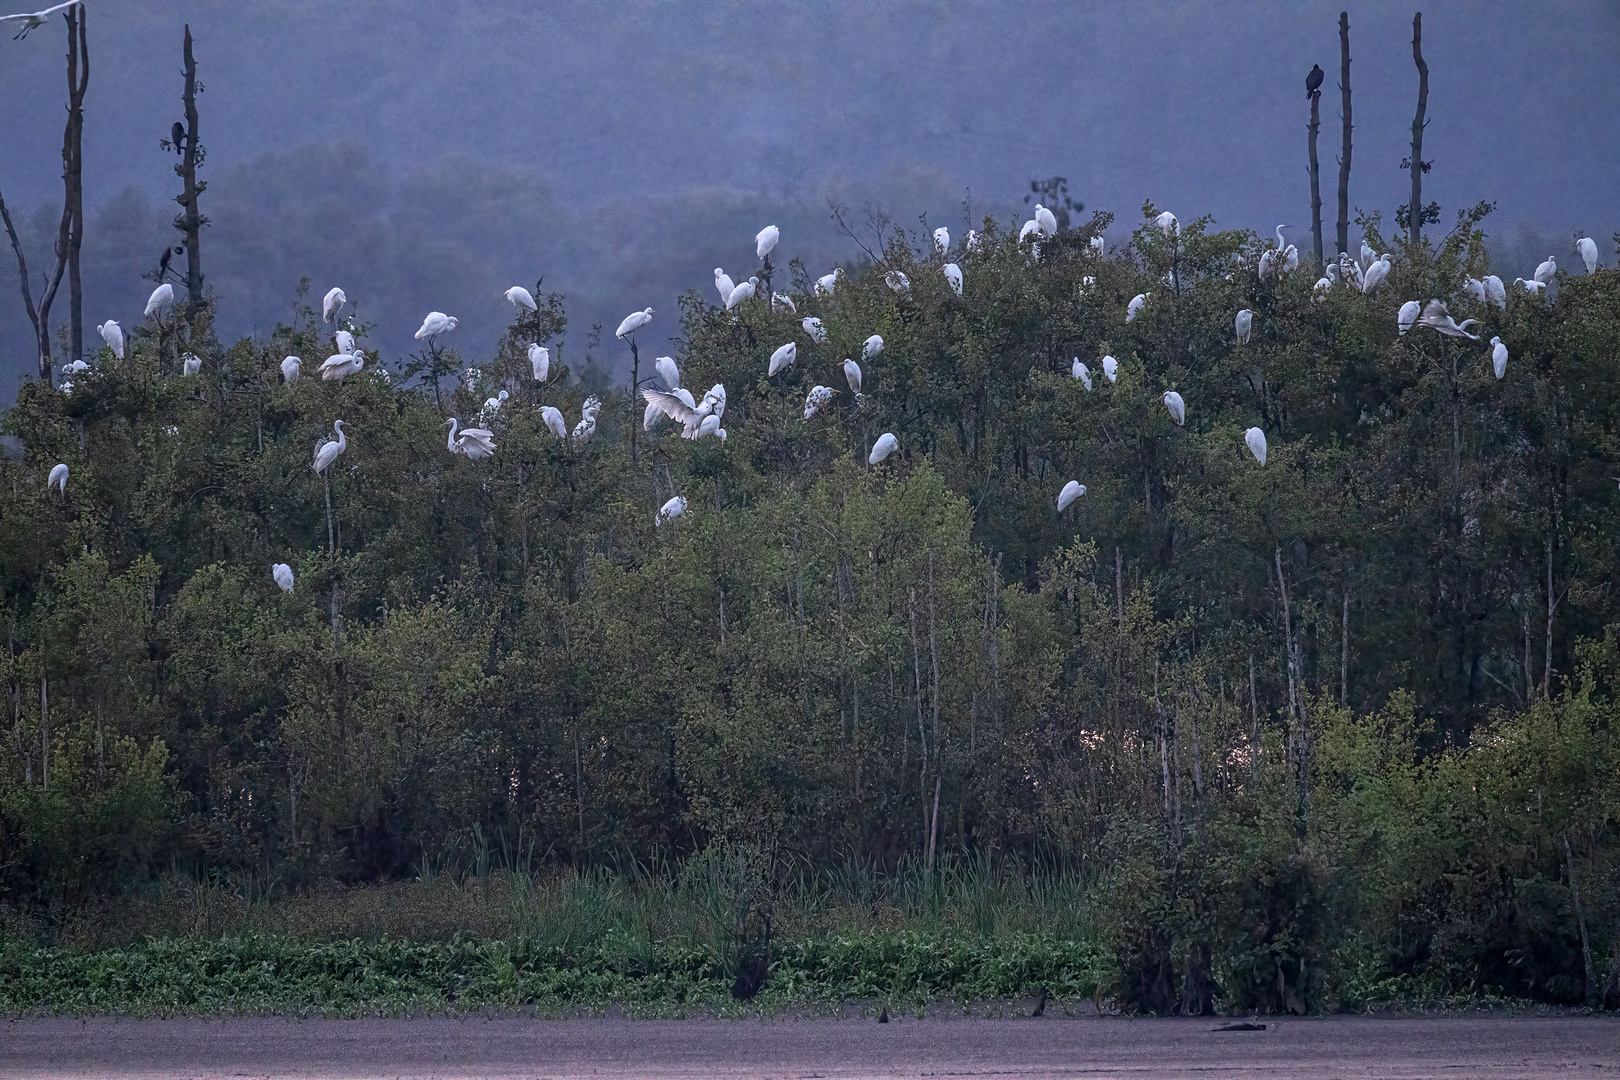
[[1316, 178], [1416, 162], [1344, 154], [190, 220]]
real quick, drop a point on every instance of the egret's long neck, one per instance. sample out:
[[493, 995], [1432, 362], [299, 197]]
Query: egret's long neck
[[343, 440], [451, 442]]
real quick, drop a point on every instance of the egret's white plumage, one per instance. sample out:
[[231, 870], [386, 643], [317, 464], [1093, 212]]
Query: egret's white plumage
[[897, 281], [852, 373], [1079, 370], [1071, 491], [1586, 247], [744, 291], [58, 478], [633, 322], [328, 451], [668, 372], [674, 508], [1045, 220], [1495, 290], [492, 405], [973, 242], [1134, 308], [818, 396], [342, 365], [1435, 317], [161, 297], [519, 297], [1177, 407], [1408, 315], [540, 362], [723, 284], [190, 363], [476, 443], [1530, 284], [283, 575], [1368, 255], [1255, 440], [1167, 223], [783, 304], [587, 419], [826, 283], [1245, 325], [436, 323], [33, 20], [1376, 274], [942, 239], [678, 406], [953, 277], [113, 335], [1031, 228], [813, 327], [1110, 368], [886, 445], [783, 357], [1098, 245], [709, 425], [332, 304], [291, 368], [345, 341], [552, 417], [1475, 288], [765, 240], [1547, 271], [872, 346], [1499, 356]]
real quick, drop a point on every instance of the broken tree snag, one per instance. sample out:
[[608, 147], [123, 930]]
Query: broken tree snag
[[1414, 230], [1316, 180], [1344, 154], [78, 73], [190, 220]]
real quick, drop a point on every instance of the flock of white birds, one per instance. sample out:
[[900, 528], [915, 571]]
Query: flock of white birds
[[701, 417]]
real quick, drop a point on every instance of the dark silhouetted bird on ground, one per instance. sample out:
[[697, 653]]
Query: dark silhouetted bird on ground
[[1313, 81]]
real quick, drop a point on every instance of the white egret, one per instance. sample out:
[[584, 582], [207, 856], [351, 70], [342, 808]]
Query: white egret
[[492, 405], [540, 362], [1408, 315], [1495, 290], [1368, 255], [953, 277], [897, 281], [1291, 258], [58, 478], [191, 363], [783, 357], [886, 445], [813, 327], [342, 365], [1499, 357], [1110, 368], [852, 373], [328, 451], [1079, 370], [872, 346], [710, 425], [1134, 308], [1177, 407], [1323, 284], [113, 335], [1586, 247], [1547, 270], [1245, 324], [1167, 223], [436, 323], [519, 297], [1098, 245], [1376, 274], [73, 367], [942, 239], [345, 341], [476, 443], [818, 396], [1255, 439], [1272, 259], [33, 20], [1045, 220], [744, 291], [1086, 283], [674, 508], [633, 322], [161, 297], [1435, 317], [1475, 288], [587, 419], [553, 419], [332, 304], [826, 283], [1071, 491], [973, 242], [1530, 284], [1031, 228], [668, 372], [723, 284], [783, 304], [765, 241], [283, 575], [291, 368], [678, 406]]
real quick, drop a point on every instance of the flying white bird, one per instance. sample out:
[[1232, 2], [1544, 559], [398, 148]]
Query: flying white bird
[[1586, 247], [765, 241], [1408, 315], [783, 304], [1098, 245], [818, 396], [953, 277], [161, 297], [540, 362], [783, 357], [826, 283], [519, 297], [744, 291], [332, 304], [1045, 220], [1435, 317], [1530, 285], [668, 372], [1167, 223], [1547, 270], [723, 284], [291, 368], [283, 575], [633, 322], [587, 419], [345, 341], [553, 419], [1499, 356], [328, 451], [1134, 308], [942, 239], [897, 281], [886, 445], [1244, 323], [33, 20], [852, 373], [813, 327], [342, 365], [1071, 491], [191, 363], [436, 323], [112, 334], [1177, 407], [58, 478], [674, 508], [678, 406], [1376, 273], [872, 346], [476, 443], [1255, 439], [1496, 290], [1110, 368], [1079, 370]]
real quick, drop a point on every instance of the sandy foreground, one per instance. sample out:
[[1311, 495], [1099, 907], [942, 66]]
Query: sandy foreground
[[1047, 1047]]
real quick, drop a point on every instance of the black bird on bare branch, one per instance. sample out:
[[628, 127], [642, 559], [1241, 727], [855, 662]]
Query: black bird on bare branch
[[1313, 81]]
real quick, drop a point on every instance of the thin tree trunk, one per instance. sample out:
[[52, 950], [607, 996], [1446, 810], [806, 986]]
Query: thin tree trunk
[[45, 729], [922, 732], [1344, 154], [1254, 727], [1552, 605], [1344, 647], [1529, 672], [1580, 919], [635, 381], [1316, 180], [190, 222], [1414, 231], [939, 750], [78, 67]]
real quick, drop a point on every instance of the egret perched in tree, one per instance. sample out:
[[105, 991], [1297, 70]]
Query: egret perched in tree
[[1530, 285], [332, 304], [633, 322], [191, 363], [872, 346], [1134, 308], [328, 451], [744, 291], [345, 341], [942, 239], [540, 362], [1323, 284], [1045, 220], [953, 277], [1291, 258], [291, 368], [897, 281], [765, 241], [783, 304], [1272, 260], [33, 20], [1586, 247], [826, 283], [1098, 245], [1547, 270], [723, 284], [709, 425], [818, 396], [674, 508], [852, 373], [113, 335], [1031, 228], [1167, 223], [1496, 290], [886, 445], [492, 405], [1376, 273], [678, 406], [1110, 368], [519, 297], [1475, 288], [436, 323], [1408, 315], [783, 357], [1368, 255], [161, 297], [283, 575], [1435, 317], [973, 241], [1079, 370], [476, 443], [1244, 323], [587, 419], [58, 478], [1255, 439], [813, 327], [342, 365], [1499, 356], [1071, 491], [668, 372], [553, 419], [1177, 407]]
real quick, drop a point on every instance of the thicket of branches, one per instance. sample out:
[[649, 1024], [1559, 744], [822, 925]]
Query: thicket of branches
[[1348, 715]]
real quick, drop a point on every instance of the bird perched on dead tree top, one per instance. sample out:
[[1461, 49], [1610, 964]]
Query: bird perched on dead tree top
[[1313, 81]]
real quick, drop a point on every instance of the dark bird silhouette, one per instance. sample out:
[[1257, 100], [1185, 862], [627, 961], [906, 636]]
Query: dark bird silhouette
[[163, 263], [178, 134], [1313, 81]]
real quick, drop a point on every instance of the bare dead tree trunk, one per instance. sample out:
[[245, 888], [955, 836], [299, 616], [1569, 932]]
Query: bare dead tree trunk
[[1254, 727], [42, 341], [1316, 180], [1344, 647], [635, 392], [1552, 606], [939, 750], [190, 221], [1414, 231], [1344, 154], [78, 71], [45, 729]]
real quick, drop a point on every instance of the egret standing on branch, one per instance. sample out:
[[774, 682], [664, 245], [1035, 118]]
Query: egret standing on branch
[[672, 509], [1586, 247], [1177, 407], [113, 335], [1045, 220], [283, 575], [342, 365], [291, 368], [476, 443], [332, 304], [1255, 439], [1499, 356], [1168, 224], [942, 240], [1071, 491], [783, 357], [813, 327], [886, 445], [161, 297], [553, 419], [1244, 323], [540, 361], [744, 291], [1079, 370], [58, 478], [765, 241], [872, 346], [520, 298], [852, 372], [436, 323], [818, 397], [1134, 308], [723, 284], [1110, 368], [1547, 271], [328, 451], [1408, 315], [953, 277]]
